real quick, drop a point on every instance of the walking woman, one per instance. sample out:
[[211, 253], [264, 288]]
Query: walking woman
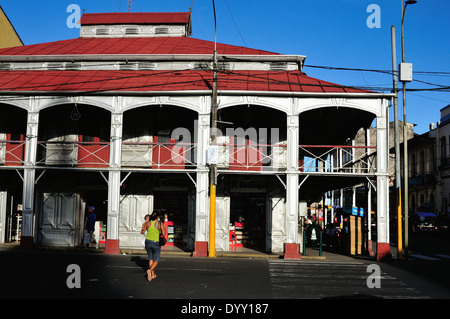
[[154, 226]]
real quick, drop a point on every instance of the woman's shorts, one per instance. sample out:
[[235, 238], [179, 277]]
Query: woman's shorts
[[153, 249]]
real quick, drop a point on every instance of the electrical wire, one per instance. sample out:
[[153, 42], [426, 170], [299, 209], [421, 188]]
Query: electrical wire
[[246, 78], [235, 24]]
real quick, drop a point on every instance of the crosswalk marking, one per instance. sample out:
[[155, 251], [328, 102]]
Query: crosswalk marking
[[443, 256], [431, 257], [330, 279], [420, 256]]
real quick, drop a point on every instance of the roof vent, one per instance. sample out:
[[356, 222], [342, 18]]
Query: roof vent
[[224, 66], [277, 66], [161, 30], [147, 66], [73, 66], [5, 66], [102, 31], [131, 31], [55, 66], [202, 66], [128, 66]]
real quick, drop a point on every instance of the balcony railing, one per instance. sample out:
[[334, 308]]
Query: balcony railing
[[249, 156], [233, 156], [74, 154], [338, 159], [159, 155], [12, 152]]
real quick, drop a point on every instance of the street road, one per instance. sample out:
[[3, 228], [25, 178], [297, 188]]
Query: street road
[[48, 274], [225, 286]]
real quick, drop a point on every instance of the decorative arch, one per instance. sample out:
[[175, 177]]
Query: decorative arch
[[106, 103], [332, 125], [194, 103], [22, 104], [152, 119], [74, 119], [373, 106], [282, 104]]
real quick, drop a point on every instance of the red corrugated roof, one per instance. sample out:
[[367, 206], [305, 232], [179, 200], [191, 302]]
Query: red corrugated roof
[[156, 45], [135, 18], [141, 81], [101, 80]]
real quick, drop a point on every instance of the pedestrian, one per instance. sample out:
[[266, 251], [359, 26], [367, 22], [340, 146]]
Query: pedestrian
[[154, 226], [90, 226]]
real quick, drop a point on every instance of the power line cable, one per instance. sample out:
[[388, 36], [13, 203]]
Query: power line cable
[[235, 24], [246, 78]]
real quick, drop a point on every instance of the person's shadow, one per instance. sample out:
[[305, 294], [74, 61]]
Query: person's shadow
[[141, 262]]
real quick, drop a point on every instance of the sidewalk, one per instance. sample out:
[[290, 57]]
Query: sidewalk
[[240, 252]]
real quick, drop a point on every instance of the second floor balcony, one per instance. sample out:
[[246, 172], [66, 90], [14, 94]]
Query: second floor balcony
[[164, 153]]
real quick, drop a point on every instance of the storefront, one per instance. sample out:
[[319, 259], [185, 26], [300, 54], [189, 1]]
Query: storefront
[[174, 206], [248, 220], [61, 204]]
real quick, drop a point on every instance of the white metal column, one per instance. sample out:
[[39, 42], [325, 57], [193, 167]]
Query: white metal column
[[383, 246], [112, 224], [202, 198], [29, 179], [3, 202], [292, 179]]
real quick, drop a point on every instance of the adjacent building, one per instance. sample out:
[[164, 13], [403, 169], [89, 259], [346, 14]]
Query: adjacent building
[[8, 34]]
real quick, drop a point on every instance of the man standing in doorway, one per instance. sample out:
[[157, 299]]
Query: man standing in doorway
[[90, 226]]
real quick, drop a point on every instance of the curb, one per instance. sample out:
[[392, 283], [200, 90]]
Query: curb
[[164, 252], [221, 255]]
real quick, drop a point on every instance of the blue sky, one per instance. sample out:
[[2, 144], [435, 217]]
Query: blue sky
[[328, 32]]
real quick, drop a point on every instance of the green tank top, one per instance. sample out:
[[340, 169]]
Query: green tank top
[[152, 231]]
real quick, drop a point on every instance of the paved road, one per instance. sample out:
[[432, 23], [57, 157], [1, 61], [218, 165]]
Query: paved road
[[333, 280], [216, 287], [44, 274]]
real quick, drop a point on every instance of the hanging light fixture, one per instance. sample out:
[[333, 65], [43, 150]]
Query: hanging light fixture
[[75, 114]]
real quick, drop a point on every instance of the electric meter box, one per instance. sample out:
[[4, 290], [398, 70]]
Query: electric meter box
[[303, 208], [405, 72]]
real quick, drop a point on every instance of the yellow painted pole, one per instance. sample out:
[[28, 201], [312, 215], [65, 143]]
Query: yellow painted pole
[[399, 226], [213, 172], [212, 222]]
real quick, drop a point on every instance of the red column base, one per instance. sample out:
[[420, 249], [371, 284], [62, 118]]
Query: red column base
[[26, 242], [201, 249], [112, 246], [383, 251], [369, 246], [291, 251]]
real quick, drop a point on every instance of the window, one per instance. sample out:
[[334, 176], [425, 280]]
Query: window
[[422, 163], [443, 148], [412, 165]]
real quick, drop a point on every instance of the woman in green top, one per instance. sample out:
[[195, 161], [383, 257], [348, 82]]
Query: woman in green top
[[154, 226]]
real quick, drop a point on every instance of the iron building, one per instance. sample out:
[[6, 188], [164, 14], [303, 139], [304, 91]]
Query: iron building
[[120, 118]]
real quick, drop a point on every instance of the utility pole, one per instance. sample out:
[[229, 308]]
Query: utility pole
[[398, 181], [405, 78], [213, 170], [130, 5]]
